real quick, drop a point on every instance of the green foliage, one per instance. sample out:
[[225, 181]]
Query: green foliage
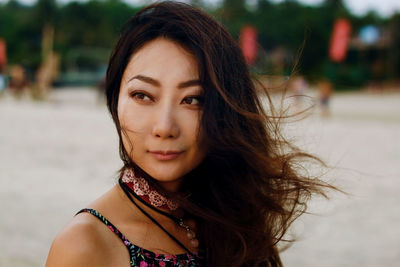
[[17, 28], [77, 26], [86, 31]]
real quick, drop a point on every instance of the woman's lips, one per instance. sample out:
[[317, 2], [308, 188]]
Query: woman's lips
[[165, 155]]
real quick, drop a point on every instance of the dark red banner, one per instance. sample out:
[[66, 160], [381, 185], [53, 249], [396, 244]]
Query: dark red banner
[[3, 53], [248, 43], [340, 40]]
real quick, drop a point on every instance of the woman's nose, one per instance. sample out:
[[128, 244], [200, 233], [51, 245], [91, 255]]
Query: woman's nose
[[165, 124]]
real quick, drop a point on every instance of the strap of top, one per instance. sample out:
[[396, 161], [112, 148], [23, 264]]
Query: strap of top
[[126, 190], [110, 226], [136, 253]]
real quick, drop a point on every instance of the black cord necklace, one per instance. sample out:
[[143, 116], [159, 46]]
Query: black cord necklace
[[129, 193]]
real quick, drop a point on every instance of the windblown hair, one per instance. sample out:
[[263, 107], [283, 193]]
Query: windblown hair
[[249, 189]]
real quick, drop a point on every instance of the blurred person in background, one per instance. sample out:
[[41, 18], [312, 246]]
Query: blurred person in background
[[19, 84], [298, 86], [3, 61], [205, 181], [325, 90], [2, 83], [101, 89]]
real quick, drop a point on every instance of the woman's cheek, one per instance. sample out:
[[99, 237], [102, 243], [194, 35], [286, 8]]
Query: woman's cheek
[[131, 115], [192, 120]]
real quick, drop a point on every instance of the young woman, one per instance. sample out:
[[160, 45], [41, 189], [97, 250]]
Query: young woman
[[206, 179]]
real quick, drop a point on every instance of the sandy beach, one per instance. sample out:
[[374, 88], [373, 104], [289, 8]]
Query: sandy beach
[[58, 155]]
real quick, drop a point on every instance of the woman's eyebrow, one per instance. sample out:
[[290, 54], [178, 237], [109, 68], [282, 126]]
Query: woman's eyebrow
[[189, 83], [145, 79], [156, 83]]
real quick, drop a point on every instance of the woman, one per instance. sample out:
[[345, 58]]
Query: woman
[[206, 178]]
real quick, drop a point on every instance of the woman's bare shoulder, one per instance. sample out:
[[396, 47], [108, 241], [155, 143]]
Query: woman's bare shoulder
[[80, 243], [86, 241]]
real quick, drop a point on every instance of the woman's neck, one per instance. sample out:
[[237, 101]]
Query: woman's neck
[[172, 187]]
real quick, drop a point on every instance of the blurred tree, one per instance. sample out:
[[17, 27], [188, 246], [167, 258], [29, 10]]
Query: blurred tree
[[44, 16], [45, 12], [281, 27], [91, 24], [234, 15], [394, 50], [16, 27]]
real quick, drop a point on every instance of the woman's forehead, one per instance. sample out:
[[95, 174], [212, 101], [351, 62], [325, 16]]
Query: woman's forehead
[[162, 58]]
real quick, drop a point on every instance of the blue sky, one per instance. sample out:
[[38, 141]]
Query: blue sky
[[359, 7]]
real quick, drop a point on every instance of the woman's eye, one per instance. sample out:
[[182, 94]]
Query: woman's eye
[[192, 100], [140, 96]]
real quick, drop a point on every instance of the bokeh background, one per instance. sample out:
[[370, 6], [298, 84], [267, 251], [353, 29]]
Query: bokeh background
[[339, 60]]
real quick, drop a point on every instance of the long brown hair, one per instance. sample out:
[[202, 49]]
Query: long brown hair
[[248, 190]]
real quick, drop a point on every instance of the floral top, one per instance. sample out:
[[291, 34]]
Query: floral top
[[141, 257]]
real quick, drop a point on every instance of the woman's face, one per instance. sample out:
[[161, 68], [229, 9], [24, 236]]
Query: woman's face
[[159, 109]]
